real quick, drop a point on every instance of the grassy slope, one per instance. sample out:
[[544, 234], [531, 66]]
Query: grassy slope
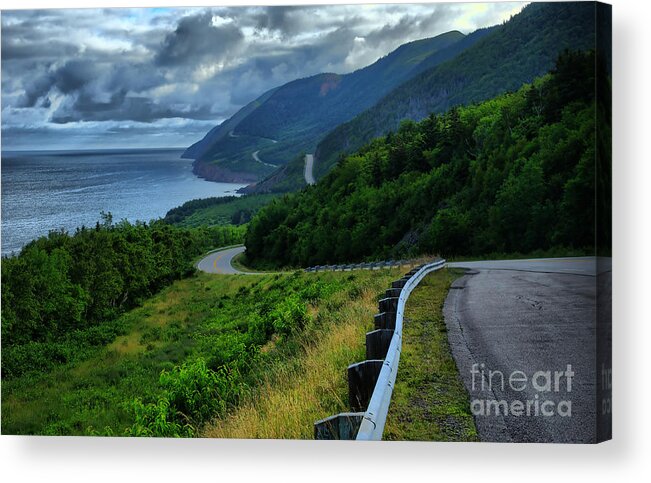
[[295, 391], [237, 154], [429, 401], [188, 320], [92, 393], [289, 177]]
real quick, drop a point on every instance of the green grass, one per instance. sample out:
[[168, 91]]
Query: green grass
[[308, 318], [429, 401], [94, 392], [307, 380]]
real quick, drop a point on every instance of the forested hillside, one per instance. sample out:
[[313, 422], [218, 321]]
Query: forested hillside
[[202, 148], [62, 291], [509, 56], [297, 114], [513, 174]]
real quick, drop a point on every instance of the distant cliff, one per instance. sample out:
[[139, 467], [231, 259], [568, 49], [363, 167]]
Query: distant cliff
[[215, 172]]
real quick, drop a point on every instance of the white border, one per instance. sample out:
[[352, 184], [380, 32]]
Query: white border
[[105, 459]]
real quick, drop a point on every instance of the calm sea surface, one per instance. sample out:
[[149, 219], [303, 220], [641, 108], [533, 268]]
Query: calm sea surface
[[47, 190]]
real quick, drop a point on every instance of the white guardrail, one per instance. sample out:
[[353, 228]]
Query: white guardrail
[[375, 416]]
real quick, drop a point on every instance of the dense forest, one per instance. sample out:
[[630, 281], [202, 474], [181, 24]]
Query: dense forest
[[62, 290], [513, 174], [507, 57]]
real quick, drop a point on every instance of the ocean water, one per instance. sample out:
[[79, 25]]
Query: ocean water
[[48, 190]]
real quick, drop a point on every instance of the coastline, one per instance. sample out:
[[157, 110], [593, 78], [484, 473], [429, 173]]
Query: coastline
[[53, 190], [219, 174]]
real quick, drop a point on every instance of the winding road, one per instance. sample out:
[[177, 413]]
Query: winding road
[[508, 320], [521, 317], [221, 262], [257, 158], [254, 155], [309, 160]]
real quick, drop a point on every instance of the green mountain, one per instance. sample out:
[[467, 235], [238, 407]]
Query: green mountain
[[290, 119], [202, 148], [517, 173], [289, 176], [512, 54]]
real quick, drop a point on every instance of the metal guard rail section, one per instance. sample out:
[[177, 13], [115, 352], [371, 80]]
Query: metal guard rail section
[[372, 425]]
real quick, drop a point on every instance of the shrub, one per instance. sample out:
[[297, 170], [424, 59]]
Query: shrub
[[192, 393], [156, 420], [289, 315]]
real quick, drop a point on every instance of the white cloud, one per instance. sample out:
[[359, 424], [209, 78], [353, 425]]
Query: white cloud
[[116, 67]]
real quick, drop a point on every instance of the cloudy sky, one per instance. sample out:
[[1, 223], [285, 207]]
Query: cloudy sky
[[162, 77]]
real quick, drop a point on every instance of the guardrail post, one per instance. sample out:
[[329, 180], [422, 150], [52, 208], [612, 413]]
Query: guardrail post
[[339, 426], [392, 292], [389, 304], [399, 283], [370, 383], [377, 343], [361, 382], [385, 320]]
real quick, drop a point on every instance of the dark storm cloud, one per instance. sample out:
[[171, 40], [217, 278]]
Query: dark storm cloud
[[46, 50], [134, 71], [34, 89], [75, 74], [409, 24], [285, 20], [196, 38], [97, 91], [119, 107]]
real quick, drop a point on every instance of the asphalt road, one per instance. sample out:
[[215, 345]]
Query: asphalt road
[[529, 316], [221, 262], [309, 165], [257, 158], [255, 154]]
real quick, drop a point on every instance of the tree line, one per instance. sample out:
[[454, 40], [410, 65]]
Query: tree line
[[67, 285], [512, 174]]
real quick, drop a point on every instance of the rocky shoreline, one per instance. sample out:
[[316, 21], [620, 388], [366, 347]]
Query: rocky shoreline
[[212, 172]]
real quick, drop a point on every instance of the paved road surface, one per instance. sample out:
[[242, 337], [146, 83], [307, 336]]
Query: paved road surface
[[221, 262], [257, 158], [309, 165], [529, 316], [577, 265]]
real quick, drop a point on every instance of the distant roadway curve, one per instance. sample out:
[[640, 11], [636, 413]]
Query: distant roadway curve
[[221, 262], [254, 155], [309, 165]]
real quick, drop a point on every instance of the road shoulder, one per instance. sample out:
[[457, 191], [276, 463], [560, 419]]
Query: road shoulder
[[429, 400], [489, 428]]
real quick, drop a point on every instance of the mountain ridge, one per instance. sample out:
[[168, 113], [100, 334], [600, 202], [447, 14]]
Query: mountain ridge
[[513, 54], [298, 113]]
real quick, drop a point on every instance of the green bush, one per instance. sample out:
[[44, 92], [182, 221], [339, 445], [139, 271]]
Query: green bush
[[192, 393], [289, 315], [66, 290], [156, 420]]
